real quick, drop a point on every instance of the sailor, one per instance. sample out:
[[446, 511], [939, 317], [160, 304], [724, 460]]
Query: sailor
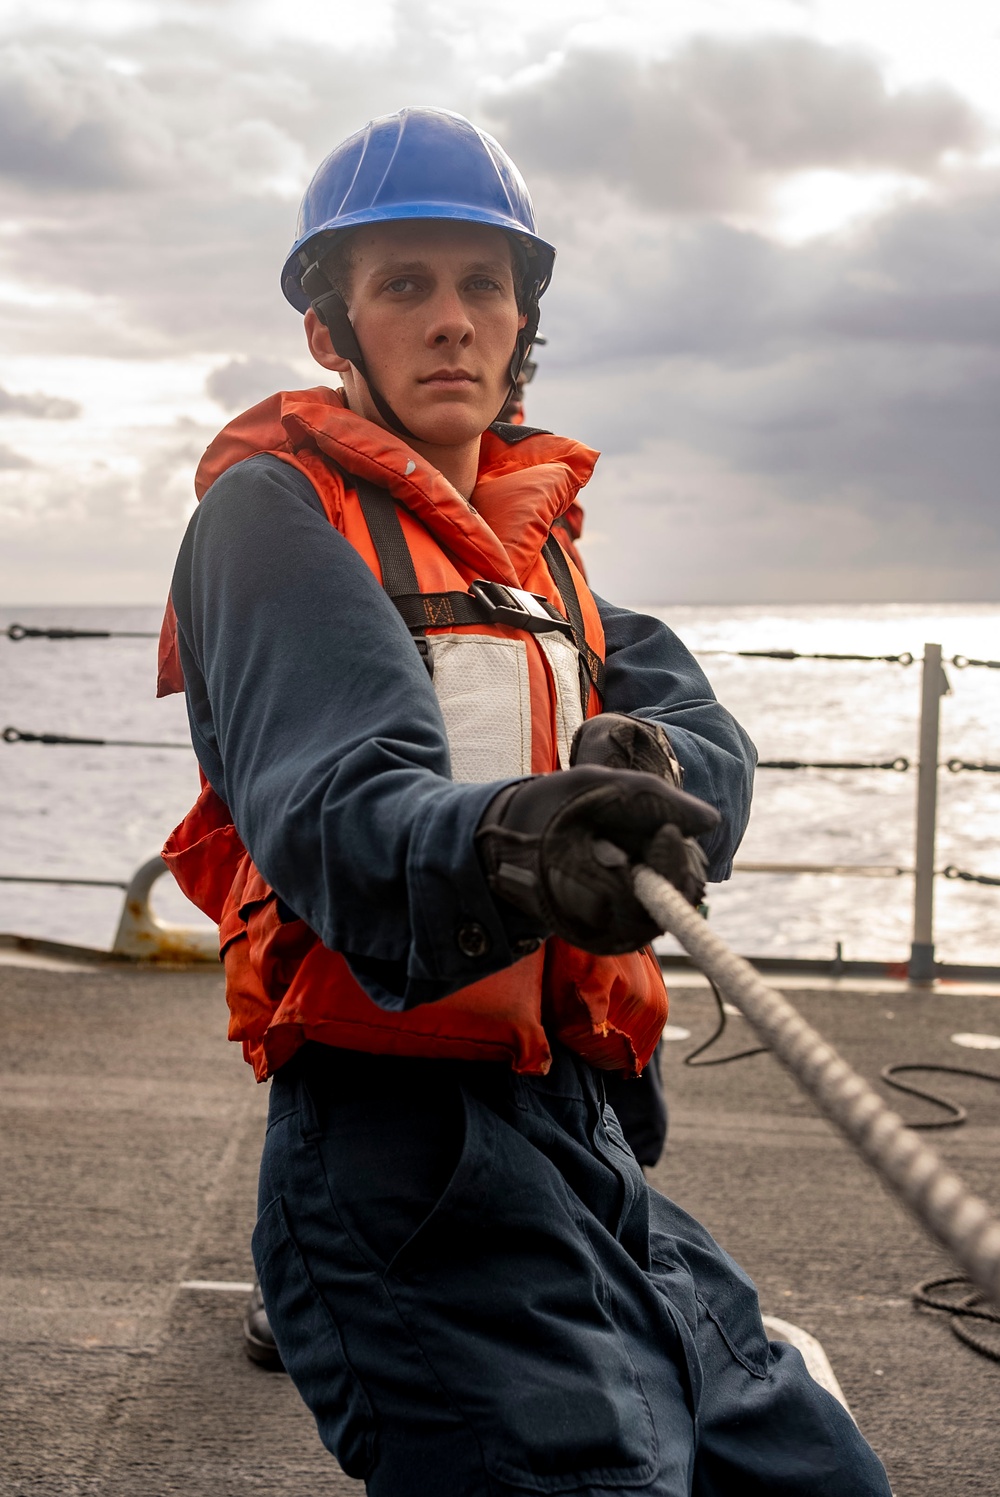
[[409, 710]]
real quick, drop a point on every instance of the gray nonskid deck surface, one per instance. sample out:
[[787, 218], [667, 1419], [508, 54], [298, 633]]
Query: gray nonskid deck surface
[[131, 1132]]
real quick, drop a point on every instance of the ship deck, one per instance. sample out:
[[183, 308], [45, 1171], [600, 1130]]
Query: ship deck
[[131, 1133]]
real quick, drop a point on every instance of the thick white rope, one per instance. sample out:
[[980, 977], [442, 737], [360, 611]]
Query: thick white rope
[[939, 1200]]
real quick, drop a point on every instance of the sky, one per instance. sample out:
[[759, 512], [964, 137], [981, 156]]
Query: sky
[[776, 305]]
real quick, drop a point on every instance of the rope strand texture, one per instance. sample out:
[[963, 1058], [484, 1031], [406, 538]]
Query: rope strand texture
[[939, 1200]]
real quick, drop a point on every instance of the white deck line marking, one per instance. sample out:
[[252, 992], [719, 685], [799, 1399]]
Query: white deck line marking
[[675, 1032], [977, 1041], [816, 1360], [217, 1286]]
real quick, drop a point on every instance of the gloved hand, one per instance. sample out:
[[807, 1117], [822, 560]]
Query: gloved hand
[[561, 848], [621, 742]]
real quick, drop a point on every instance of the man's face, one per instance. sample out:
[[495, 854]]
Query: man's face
[[434, 310]]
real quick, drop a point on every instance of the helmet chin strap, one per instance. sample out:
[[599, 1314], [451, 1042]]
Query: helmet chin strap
[[525, 338], [331, 309]]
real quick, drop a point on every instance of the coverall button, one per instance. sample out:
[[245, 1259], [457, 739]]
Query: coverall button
[[473, 939]]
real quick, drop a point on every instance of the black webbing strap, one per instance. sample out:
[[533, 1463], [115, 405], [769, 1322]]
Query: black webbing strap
[[382, 518], [399, 577], [591, 664], [484, 603]]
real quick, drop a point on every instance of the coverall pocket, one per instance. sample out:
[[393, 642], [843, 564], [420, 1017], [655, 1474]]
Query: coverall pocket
[[310, 1344], [502, 1289], [725, 1295], [388, 1161]]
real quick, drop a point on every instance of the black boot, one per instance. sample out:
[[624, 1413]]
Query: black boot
[[257, 1333]]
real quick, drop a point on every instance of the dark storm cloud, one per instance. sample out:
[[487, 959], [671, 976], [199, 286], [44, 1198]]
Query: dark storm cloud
[[790, 397], [243, 382], [38, 406], [921, 273], [708, 127], [68, 121]]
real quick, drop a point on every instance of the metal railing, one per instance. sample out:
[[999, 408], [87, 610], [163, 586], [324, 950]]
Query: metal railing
[[141, 933], [922, 967]]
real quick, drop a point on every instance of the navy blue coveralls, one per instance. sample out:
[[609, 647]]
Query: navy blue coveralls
[[467, 1276]]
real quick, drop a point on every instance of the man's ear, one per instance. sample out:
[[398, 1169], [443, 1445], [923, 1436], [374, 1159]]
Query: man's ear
[[321, 346]]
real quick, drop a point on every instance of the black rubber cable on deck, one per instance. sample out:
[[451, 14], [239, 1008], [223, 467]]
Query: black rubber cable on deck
[[970, 1304], [719, 1060], [958, 1114]]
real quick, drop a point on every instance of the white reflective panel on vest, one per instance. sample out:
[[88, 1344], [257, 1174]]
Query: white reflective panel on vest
[[484, 693], [564, 663]]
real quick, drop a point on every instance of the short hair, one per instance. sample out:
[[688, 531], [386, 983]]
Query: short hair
[[337, 264]]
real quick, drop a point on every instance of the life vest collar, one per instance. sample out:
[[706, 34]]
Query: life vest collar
[[522, 487]]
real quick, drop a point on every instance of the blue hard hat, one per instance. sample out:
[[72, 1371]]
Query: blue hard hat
[[419, 163]]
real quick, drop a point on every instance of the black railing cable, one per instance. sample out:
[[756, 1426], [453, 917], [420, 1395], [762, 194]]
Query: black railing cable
[[19, 735], [17, 632], [971, 766], [970, 878], [962, 662], [45, 878], [904, 658], [22, 735], [900, 764]]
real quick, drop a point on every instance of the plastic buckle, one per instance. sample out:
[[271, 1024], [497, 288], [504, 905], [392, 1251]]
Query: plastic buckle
[[519, 609]]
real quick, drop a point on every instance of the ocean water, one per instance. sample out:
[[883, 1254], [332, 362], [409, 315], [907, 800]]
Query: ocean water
[[100, 812]]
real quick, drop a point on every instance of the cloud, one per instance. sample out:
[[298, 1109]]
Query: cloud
[[243, 382], [806, 420], [13, 462], [710, 127], [68, 121], [759, 404], [38, 406], [163, 200], [105, 531]]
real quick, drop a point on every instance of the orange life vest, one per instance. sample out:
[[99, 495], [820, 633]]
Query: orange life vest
[[511, 699]]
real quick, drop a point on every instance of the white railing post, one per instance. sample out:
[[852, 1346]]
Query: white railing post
[[934, 686]]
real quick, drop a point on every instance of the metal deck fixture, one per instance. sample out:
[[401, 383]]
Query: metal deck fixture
[[144, 936]]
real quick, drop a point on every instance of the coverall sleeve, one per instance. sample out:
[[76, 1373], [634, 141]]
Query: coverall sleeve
[[651, 674], [314, 719]]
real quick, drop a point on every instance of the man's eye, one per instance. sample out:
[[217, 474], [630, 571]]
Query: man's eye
[[400, 284], [484, 283]]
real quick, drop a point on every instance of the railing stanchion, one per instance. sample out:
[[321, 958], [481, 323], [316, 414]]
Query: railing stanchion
[[934, 686]]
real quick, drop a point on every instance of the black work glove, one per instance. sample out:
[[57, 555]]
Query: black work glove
[[561, 848], [621, 742]]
